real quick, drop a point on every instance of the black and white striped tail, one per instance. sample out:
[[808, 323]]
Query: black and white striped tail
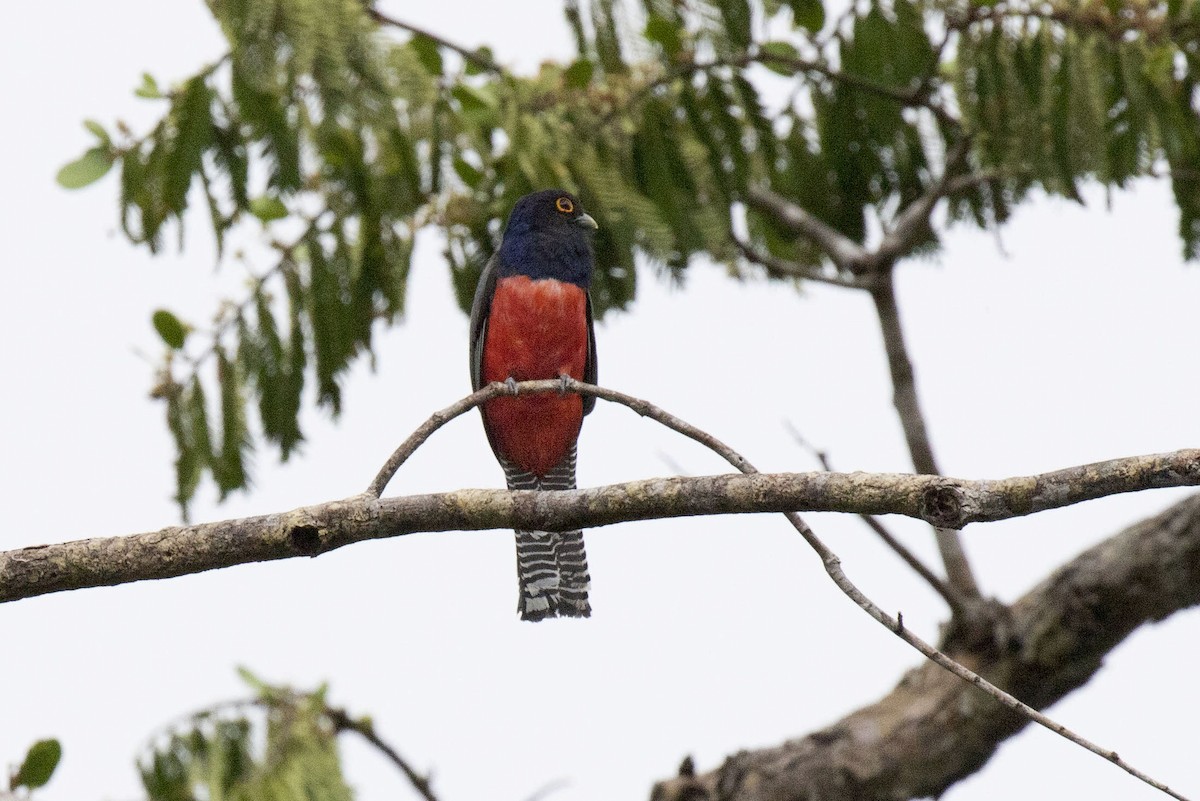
[[551, 565]]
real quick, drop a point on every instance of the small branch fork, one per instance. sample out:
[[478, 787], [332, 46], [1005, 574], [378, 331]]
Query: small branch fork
[[908, 557], [342, 721], [313, 530], [872, 270]]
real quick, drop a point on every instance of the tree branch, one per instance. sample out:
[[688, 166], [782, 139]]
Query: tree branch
[[342, 721], [781, 268], [908, 407], [833, 567], [313, 530], [477, 57], [919, 96], [915, 217], [846, 254], [908, 557], [932, 730]]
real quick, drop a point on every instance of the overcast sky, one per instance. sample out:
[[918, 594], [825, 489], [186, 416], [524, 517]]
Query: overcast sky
[[1068, 339]]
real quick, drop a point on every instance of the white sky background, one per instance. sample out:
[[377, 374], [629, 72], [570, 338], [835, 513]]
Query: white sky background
[[709, 635]]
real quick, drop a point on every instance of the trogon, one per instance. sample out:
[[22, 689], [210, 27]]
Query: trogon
[[532, 319]]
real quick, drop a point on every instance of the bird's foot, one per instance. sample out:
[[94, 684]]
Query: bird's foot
[[564, 381], [511, 384]]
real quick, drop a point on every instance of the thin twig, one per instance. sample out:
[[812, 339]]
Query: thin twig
[[313, 530], [915, 216], [342, 721], [426, 429], [319, 528], [789, 269], [932, 579], [476, 57], [338, 717], [918, 96], [833, 567]]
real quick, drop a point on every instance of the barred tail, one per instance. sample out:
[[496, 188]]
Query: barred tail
[[551, 566]]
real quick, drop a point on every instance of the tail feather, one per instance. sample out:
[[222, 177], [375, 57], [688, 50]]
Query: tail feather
[[551, 565]]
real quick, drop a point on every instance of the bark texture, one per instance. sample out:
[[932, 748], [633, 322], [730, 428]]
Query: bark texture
[[313, 530], [932, 729]]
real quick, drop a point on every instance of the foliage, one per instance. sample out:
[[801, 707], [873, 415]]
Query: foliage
[[223, 753], [342, 133], [35, 771]]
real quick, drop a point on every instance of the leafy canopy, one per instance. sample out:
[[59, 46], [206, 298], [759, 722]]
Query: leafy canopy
[[343, 132]]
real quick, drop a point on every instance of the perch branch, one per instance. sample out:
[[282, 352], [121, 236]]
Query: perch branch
[[312, 530]]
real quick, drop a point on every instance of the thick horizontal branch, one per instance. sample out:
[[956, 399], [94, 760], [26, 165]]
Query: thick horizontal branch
[[312, 530]]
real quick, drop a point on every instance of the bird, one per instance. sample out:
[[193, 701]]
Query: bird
[[532, 319]]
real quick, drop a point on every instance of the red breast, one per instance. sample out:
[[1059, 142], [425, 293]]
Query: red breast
[[536, 329]]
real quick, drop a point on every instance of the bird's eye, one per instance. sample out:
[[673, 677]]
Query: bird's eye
[[564, 205]]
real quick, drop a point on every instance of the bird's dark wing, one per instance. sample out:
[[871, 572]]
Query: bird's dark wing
[[589, 366], [480, 309]]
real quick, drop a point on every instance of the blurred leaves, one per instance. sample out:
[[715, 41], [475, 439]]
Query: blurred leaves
[[282, 746], [339, 136]]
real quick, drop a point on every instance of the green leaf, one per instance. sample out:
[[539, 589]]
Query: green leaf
[[472, 99], [168, 326], [579, 74], [736, 16], [149, 88], [187, 466], [40, 762], [469, 175], [199, 439], [98, 131], [428, 53], [776, 56], [268, 208], [228, 466], [809, 13], [607, 36], [665, 33], [193, 131], [256, 684], [87, 169], [332, 330]]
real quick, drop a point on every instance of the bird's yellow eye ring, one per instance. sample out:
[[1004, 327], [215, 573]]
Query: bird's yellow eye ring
[[564, 205]]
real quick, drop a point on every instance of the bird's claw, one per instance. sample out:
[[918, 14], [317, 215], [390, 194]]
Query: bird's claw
[[564, 381], [510, 384]]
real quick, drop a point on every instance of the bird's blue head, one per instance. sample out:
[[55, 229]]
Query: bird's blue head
[[548, 236]]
